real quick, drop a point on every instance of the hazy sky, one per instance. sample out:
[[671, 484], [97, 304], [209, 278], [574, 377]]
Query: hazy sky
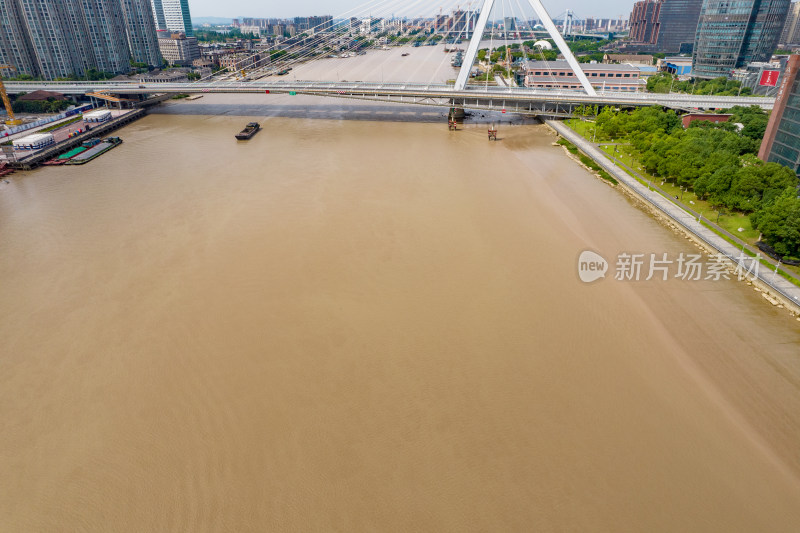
[[275, 8]]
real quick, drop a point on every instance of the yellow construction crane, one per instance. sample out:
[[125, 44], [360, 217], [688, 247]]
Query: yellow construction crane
[[12, 121]]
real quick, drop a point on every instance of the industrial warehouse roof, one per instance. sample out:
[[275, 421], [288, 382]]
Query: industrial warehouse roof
[[97, 113], [629, 58], [34, 137], [595, 81], [551, 65], [41, 95]]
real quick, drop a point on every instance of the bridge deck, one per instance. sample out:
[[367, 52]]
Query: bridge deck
[[437, 94]]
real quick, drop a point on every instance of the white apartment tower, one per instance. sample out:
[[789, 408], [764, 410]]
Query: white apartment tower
[[173, 15]]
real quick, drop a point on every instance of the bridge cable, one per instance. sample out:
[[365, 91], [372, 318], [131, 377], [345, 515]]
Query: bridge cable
[[350, 11], [424, 43], [447, 34], [311, 46]]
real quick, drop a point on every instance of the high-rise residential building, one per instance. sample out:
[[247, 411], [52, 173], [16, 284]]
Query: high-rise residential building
[[463, 22], [644, 22], [176, 15], [321, 23], [442, 23], [732, 34], [15, 46], [140, 25], [314, 24], [677, 25], [63, 38], [791, 30], [301, 23], [160, 20], [666, 26], [781, 142], [48, 28], [101, 25]]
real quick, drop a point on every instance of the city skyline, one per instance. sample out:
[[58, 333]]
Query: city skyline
[[255, 8]]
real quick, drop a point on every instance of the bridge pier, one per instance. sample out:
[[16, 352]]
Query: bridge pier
[[457, 113]]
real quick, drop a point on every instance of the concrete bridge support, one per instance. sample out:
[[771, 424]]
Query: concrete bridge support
[[457, 111], [544, 16]]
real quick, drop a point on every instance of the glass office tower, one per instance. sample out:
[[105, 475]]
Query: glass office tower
[[677, 25], [781, 142], [731, 34]]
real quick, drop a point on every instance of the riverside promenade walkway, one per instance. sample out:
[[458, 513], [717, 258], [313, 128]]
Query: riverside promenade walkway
[[775, 286]]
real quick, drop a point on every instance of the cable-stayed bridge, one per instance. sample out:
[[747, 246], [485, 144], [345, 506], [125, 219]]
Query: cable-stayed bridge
[[512, 99], [471, 22]]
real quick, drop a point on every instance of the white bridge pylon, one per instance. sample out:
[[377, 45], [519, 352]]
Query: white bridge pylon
[[541, 12]]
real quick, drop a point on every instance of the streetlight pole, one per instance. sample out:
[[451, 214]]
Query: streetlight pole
[[776, 270]]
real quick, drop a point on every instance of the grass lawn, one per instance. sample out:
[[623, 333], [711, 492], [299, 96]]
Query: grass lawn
[[583, 127]]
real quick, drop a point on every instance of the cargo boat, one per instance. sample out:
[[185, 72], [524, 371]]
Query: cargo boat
[[248, 132], [98, 149], [63, 158]]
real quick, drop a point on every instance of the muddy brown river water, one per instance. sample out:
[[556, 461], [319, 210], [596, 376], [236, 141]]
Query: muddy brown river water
[[371, 325]]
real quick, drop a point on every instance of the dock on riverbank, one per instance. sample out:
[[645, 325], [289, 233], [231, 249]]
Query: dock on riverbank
[[99, 130], [774, 287]]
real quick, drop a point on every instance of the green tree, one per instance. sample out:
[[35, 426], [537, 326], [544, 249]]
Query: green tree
[[50, 105], [717, 160], [779, 223], [95, 75], [663, 82], [754, 120]]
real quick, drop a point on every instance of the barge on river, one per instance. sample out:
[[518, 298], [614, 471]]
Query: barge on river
[[95, 151], [248, 132]]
